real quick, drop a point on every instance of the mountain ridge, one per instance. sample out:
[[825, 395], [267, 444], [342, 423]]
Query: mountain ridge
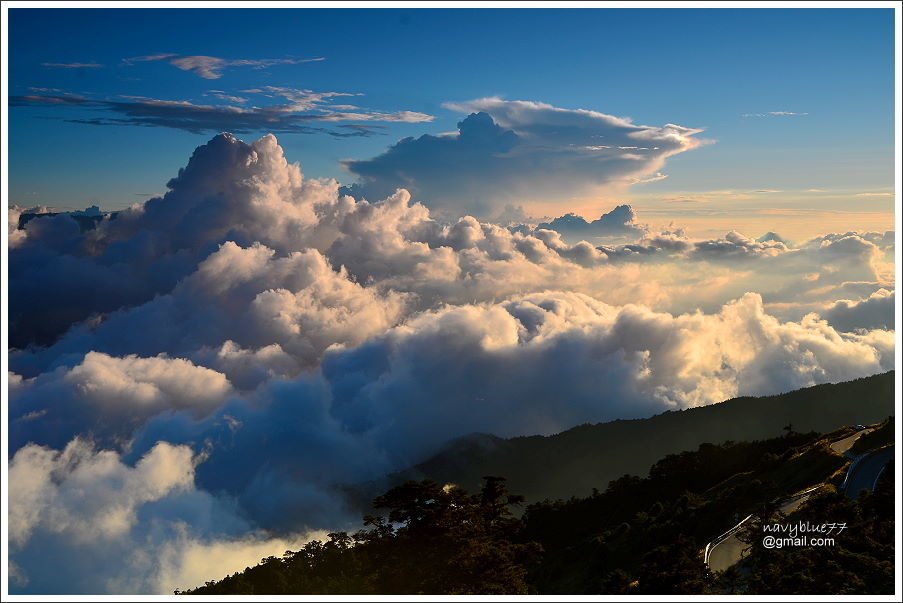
[[578, 460]]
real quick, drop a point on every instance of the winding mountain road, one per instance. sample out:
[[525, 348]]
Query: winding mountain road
[[726, 550], [842, 446], [729, 551], [864, 475]]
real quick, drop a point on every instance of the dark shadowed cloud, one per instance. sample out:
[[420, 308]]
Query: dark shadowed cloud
[[91, 65], [874, 312], [295, 111], [619, 222]]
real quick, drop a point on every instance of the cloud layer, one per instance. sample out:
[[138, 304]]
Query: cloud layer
[[115, 527], [196, 382]]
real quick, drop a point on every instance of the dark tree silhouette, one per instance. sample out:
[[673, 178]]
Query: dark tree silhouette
[[640, 535]]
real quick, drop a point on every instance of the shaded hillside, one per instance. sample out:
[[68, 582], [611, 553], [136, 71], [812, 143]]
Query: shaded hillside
[[576, 461]]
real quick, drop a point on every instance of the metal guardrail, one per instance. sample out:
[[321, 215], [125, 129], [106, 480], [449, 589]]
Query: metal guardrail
[[846, 478], [861, 457], [719, 539]]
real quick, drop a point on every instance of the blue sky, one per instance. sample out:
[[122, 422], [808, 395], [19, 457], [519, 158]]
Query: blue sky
[[724, 71]]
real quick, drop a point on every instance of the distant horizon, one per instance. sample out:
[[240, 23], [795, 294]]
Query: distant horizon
[[699, 223]]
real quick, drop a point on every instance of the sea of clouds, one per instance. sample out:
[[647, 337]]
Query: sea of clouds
[[194, 383]]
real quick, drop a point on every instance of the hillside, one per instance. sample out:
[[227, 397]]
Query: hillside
[[640, 536], [576, 461]]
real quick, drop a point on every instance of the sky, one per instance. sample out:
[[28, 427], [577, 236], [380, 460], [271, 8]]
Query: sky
[[794, 106], [384, 254]]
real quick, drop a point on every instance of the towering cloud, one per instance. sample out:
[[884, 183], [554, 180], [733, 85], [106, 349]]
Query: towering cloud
[[619, 222], [204, 376], [511, 152]]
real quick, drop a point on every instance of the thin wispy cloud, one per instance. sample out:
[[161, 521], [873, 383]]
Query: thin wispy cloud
[[296, 111], [719, 195], [776, 114], [656, 177], [302, 99], [57, 98], [875, 194], [229, 98], [211, 68], [357, 130], [90, 65]]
